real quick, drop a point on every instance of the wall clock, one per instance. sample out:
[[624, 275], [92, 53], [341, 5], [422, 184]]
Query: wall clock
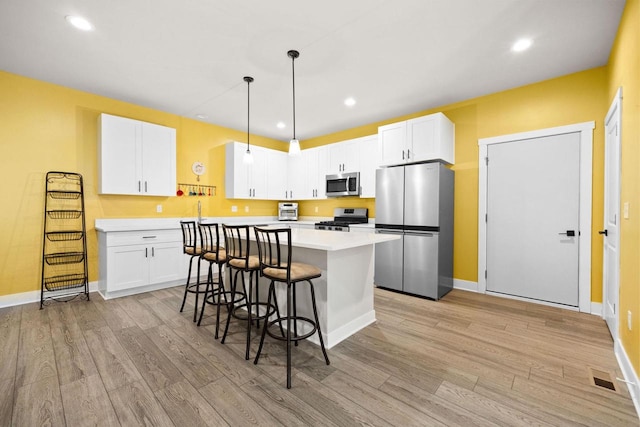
[[198, 169]]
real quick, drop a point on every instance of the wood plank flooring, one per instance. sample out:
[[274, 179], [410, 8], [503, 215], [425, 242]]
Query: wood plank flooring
[[467, 360]]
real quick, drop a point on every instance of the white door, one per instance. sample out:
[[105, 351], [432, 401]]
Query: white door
[[611, 260], [533, 189]]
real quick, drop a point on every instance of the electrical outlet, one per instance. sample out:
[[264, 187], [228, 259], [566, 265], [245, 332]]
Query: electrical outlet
[[246, 209], [629, 319], [159, 208], [234, 208], [625, 210], [316, 209]]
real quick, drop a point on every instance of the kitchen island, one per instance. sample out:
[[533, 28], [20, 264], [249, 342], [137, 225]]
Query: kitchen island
[[344, 292], [140, 255]]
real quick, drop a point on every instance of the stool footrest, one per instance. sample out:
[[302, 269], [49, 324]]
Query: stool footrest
[[270, 309], [283, 321]]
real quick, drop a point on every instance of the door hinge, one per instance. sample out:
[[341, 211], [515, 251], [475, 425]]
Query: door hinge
[[486, 160], [485, 274], [486, 217]]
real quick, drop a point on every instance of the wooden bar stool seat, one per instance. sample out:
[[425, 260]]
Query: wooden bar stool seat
[[192, 248], [275, 253], [215, 255], [240, 261]]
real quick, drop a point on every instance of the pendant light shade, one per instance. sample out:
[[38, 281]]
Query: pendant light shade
[[248, 157], [294, 144]]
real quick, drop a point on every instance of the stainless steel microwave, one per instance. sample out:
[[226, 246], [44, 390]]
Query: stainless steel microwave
[[343, 184]]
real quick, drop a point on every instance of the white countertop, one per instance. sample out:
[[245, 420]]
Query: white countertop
[[304, 238], [335, 241], [142, 224]]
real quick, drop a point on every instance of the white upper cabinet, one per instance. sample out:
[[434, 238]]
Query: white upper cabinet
[[317, 159], [245, 181], [344, 157], [277, 177], [297, 184], [423, 138], [368, 165], [135, 158]]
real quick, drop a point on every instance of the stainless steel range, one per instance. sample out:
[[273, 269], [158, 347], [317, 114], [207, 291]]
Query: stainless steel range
[[343, 217]]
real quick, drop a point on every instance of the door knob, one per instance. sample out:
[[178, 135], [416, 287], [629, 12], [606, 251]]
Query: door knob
[[605, 232]]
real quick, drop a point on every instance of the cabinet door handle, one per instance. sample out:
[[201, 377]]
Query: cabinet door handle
[[408, 154], [153, 251], [139, 186], [402, 154], [146, 252], [145, 186], [149, 237]]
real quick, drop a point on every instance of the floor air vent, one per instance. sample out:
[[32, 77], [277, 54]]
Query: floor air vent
[[602, 379]]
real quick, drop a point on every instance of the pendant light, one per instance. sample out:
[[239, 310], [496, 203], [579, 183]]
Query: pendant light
[[248, 157], [294, 144]]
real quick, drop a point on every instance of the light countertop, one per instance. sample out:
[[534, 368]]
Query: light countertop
[[301, 237], [335, 241]]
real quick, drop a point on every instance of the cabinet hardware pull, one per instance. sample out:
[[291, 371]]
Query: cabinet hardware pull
[[153, 251], [146, 252], [149, 237], [402, 154], [145, 186], [408, 154], [139, 186]]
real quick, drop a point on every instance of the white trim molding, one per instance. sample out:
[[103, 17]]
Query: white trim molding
[[586, 182], [465, 285], [630, 377], [31, 296], [596, 308]]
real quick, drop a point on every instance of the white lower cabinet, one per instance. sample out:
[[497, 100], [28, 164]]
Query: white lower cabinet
[[140, 261]]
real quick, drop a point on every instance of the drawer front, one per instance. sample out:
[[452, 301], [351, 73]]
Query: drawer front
[[121, 238]]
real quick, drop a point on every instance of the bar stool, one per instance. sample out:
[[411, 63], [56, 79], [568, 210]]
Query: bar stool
[[275, 252], [240, 260], [191, 248], [215, 254]]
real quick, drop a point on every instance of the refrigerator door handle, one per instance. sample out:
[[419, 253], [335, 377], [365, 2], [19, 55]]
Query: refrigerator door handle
[[388, 231]]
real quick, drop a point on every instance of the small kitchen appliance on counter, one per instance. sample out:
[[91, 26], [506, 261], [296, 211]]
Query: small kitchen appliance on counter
[[343, 217], [287, 211]]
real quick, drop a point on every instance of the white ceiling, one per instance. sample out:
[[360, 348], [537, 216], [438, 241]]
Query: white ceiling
[[397, 57]]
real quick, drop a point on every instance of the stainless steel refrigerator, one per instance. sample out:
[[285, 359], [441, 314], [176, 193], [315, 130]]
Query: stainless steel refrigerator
[[416, 202]]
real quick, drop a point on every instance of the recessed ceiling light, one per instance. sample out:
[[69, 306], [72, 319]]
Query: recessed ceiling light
[[79, 22], [201, 116], [281, 125], [522, 44], [350, 102]]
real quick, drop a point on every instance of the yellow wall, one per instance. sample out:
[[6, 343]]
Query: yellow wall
[[624, 71], [47, 127], [565, 100]]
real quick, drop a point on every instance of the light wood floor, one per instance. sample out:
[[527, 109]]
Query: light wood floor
[[466, 360]]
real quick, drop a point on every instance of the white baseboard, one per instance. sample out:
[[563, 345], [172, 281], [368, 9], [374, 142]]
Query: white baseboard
[[31, 296], [596, 308], [630, 375], [465, 285]]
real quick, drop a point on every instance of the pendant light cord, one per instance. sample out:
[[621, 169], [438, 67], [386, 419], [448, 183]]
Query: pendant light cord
[[248, 115], [293, 73], [293, 54], [248, 80]]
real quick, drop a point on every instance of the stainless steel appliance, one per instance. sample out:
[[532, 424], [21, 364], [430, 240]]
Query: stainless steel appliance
[[287, 211], [343, 217], [416, 202], [343, 184]]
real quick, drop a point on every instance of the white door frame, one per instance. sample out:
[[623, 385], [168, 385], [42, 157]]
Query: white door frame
[[614, 109], [586, 169]]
